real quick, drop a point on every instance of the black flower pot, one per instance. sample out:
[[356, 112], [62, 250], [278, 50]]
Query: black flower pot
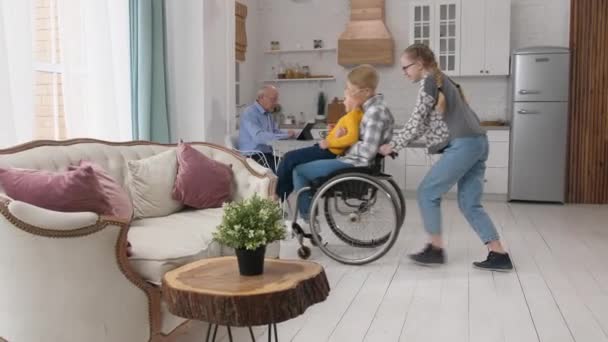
[[251, 263]]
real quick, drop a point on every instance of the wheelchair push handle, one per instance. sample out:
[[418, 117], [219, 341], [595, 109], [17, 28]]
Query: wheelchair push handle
[[393, 155]]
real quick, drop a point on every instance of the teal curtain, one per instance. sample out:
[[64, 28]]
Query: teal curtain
[[148, 69]]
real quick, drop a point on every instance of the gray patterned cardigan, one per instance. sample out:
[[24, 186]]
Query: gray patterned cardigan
[[438, 129]]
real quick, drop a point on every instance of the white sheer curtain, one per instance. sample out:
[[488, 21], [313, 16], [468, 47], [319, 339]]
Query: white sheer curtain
[[96, 78], [16, 73]]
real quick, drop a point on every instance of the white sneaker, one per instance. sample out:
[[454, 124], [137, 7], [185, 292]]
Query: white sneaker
[[289, 230]]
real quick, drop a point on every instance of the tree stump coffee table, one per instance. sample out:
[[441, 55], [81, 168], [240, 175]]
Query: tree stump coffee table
[[212, 290]]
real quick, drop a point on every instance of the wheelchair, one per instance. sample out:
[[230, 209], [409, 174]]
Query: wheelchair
[[355, 214]]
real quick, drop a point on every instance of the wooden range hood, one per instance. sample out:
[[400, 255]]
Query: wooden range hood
[[366, 39]]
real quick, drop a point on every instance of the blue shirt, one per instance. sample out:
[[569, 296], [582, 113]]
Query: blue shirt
[[258, 130]]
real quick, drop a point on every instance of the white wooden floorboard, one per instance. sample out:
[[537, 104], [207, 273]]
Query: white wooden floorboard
[[391, 314], [512, 303], [355, 322], [579, 319], [453, 319], [578, 267]]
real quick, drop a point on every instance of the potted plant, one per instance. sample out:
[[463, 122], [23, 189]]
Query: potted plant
[[248, 226]]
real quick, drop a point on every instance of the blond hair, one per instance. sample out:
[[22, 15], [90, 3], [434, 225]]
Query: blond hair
[[425, 55], [364, 76]]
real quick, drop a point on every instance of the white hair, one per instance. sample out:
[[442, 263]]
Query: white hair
[[265, 90]]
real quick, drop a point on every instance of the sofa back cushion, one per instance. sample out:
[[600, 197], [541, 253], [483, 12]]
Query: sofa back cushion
[[150, 182], [68, 191], [201, 182]]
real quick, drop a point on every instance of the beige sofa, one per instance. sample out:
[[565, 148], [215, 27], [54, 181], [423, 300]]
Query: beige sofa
[[66, 276]]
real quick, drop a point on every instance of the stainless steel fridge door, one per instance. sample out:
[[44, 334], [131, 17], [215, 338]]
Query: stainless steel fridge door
[[543, 78], [537, 170]]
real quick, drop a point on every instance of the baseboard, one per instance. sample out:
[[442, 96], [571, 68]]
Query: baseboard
[[411, 194]]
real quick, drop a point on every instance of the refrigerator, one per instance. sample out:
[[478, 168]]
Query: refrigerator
[[539, 124]]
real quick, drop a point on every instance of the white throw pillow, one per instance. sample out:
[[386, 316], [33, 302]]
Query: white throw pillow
[[150, 183]]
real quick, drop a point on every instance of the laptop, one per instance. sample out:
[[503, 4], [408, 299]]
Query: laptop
[[305, 133]]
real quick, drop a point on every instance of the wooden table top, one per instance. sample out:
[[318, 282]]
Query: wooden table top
[[212, 290]]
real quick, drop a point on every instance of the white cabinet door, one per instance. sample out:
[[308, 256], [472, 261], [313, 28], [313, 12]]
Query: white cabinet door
[[422, 22], [447, 36], [499, 154], [496, 180], [497, 31], [414, 176], [396, 168], [472, 42]]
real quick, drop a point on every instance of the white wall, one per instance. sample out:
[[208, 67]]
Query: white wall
[[200, 63], [534, 22]]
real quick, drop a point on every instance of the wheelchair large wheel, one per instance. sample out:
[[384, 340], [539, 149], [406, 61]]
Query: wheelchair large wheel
[[330, 206], [358, 218]]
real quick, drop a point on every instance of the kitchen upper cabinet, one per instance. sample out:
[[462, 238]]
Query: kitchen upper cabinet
[[485, 37], [498, 36], [469, 37], [436, 23]]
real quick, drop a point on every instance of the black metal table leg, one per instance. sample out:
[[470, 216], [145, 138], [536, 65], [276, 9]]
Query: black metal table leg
[[276, 333], [229, 333], [251, 333], [208, 332], [215, 332]]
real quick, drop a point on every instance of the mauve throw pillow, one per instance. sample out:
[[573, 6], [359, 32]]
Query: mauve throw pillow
[[201, 182], [119, 199], [70, 191]]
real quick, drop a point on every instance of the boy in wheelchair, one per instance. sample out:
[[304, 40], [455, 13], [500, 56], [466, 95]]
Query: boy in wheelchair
[[375, 129], [341, 137]]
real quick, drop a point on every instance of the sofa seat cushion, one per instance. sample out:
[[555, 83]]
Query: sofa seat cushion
[[161, 244]]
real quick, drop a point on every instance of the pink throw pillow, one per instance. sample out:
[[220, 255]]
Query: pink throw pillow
[[118, 198], [70, 191], [201, 182]]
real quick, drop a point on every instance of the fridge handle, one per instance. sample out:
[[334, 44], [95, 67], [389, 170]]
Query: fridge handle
[[529, 92], [523, 111]]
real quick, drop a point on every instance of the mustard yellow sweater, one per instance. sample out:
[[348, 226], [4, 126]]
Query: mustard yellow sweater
[[351, 122]]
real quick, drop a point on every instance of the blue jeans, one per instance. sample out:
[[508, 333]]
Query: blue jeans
[[293, 159], [463, 163], [304, 174]]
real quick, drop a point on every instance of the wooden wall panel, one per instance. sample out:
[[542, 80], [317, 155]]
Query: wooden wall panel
[[588, 139]]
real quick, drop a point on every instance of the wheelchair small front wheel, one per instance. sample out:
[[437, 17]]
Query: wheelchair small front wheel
[[304, 252]]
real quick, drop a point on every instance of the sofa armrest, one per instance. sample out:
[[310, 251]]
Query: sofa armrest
[[252, 178], [65, 277]]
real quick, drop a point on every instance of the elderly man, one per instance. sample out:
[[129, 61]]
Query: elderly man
[[258, 129]]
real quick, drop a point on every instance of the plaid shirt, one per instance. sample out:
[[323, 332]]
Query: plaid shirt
[[375, 129]]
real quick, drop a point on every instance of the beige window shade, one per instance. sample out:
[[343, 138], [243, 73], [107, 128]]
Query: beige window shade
[[241, 32]]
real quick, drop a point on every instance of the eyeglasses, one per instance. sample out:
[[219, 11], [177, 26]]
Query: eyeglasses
[[404, 68]]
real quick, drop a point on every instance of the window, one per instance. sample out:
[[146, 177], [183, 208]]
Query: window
[[447, 37], [49, 116], [422, 24]]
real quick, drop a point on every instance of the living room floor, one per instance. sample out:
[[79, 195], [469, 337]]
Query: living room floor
[[558, 292]]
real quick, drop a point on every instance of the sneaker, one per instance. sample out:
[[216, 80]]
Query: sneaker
[[495, 262], [289, 230], [430, 256]]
